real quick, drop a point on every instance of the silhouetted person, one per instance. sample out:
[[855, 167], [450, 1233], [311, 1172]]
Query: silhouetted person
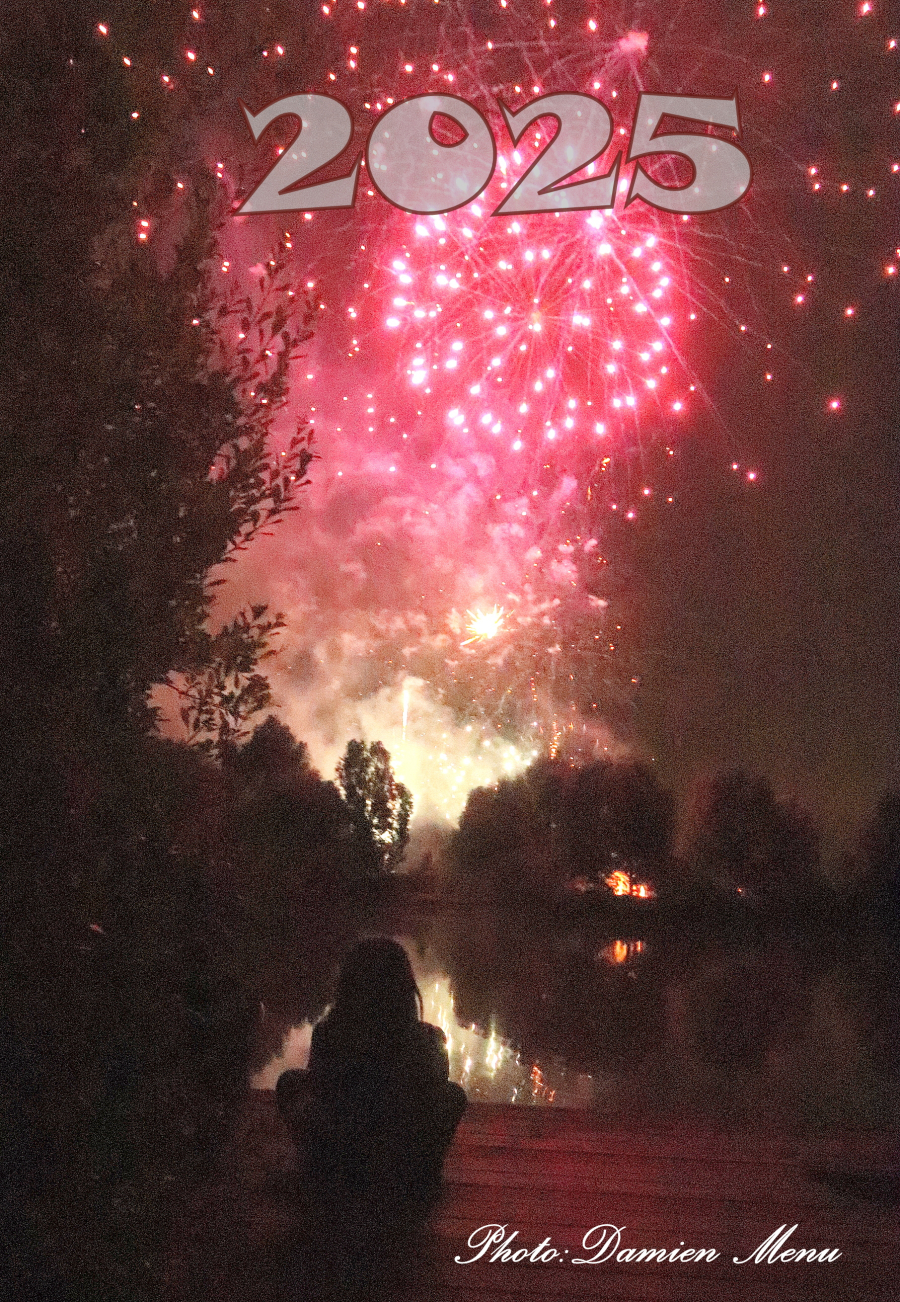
[[374, 1114]]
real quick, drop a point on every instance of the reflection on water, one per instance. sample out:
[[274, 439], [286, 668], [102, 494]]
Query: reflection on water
[[768, 1034], [488, 1067], [294, 1053], [620, 951]]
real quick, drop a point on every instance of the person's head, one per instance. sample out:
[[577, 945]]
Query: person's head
[[376, 986]]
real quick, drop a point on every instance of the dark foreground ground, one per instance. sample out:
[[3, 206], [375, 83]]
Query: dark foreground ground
[[253, 1236]]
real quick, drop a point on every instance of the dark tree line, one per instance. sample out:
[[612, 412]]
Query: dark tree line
[[741, 840], [535, 833], [875, 874], [563, 824]]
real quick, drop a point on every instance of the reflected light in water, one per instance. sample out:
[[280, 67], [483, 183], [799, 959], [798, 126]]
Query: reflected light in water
[[294, 1053], [620, 951], [487, 1067]]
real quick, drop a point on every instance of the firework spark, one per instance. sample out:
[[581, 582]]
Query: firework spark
[[484, 625]]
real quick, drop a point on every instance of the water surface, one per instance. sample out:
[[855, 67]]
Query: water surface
[[766, 1033]]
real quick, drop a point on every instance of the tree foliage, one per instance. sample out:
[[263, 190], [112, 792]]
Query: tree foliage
[[379, 807], [138, 455], [138, 451], [292, 827], [743, 840], [218, 683], [618, 813], [272, 754], [560, 820], [878, 887]]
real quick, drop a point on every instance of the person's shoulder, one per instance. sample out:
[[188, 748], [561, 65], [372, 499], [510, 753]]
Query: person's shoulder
[[433, 1034], [325, 1040]]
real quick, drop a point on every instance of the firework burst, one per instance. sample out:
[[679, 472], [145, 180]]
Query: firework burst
[[484, 625], [498, 397], [519, 378]]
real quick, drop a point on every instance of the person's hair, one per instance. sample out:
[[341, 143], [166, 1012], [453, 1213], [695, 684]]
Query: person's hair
[[376, 987]]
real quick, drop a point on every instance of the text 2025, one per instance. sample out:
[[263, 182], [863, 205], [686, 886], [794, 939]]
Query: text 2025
[[418, 173]]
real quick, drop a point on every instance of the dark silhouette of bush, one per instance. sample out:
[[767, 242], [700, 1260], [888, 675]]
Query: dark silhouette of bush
[[291, 828]]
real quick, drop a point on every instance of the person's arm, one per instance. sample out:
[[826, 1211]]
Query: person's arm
[[437, 1061]]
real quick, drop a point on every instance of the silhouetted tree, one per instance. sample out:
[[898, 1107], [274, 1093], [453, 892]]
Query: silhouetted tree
[[136, 450], [136, 458], [877, 891], [379, 807], [619, 816], [744, 842], [271, 753], [293, 826], [558, 820], [505, 842], [218, 683]]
